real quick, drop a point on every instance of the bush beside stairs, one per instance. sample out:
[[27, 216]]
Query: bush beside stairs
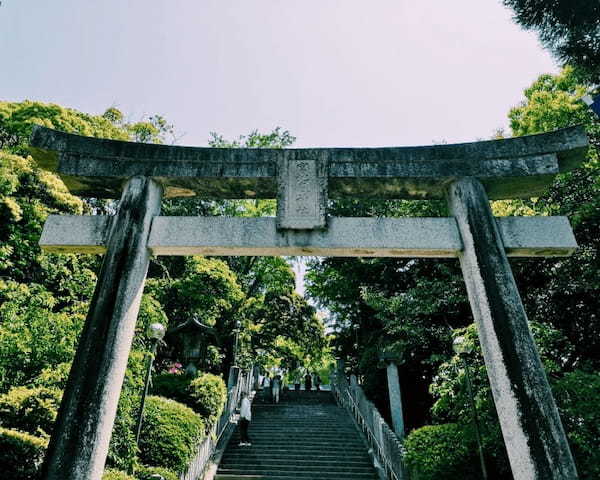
[[306, 436]]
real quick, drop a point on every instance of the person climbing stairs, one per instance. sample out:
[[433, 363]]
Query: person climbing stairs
[[306, 436]]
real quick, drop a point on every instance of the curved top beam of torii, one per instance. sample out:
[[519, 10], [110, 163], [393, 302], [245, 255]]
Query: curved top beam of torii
[[510, 168]]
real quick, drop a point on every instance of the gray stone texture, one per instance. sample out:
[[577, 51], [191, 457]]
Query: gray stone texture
[[395, 399], [511, 168], [302, 194], [535, 440], [351, 237], [79, 443]]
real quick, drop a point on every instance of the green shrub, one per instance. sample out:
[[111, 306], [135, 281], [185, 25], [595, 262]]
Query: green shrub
[[55, 376], [206, 394], [170, 434], [112, 474], [31, 410], [209, 394], [145, 473], [21, 454], [577, 396], [438, 452], [175, 387], [122, 453]]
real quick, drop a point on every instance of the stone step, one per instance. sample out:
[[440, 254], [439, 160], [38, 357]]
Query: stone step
[[304, 449], [285, 435], [261, 456], [326, 476], [282, 422], [274, 474], [330, 467], [291, 459], [316, 441], [291, 444]]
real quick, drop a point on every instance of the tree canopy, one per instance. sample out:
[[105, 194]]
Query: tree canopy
[[570, 29]]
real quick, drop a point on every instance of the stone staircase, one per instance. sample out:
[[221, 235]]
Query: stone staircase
[[306, 436]]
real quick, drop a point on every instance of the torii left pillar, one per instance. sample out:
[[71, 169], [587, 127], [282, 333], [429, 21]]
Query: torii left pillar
[[79, 444]]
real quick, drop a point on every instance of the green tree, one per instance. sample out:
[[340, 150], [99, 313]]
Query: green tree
[[44, 297], [570, 29], [576, 393], [405, 306], [563, 292]]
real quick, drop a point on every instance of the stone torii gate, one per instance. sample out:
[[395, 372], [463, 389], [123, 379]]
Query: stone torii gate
[[302, 180]]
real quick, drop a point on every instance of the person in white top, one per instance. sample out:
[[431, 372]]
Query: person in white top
[[276, 388], [245, 417]]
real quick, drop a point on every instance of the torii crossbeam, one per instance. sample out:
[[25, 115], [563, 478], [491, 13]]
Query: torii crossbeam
[[303, 180]]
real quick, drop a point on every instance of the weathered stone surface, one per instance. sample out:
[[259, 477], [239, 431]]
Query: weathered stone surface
[[395, 399], [302, 195], [362, 237], [535, 441], [76, 233], [516, 167], [80, 440]]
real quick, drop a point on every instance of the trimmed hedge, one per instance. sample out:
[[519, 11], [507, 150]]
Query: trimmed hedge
[[170, 434], [112, 474], [30, 409], [145, 473], [208, 393], [437, 452], [21, 454]]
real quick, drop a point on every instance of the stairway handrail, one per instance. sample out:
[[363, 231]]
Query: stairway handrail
[[382, 440], [207, 447]]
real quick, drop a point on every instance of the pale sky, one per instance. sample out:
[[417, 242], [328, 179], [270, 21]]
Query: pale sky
[[333, 72]]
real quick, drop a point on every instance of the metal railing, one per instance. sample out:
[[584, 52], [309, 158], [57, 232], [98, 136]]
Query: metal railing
[[383, 442], [206, 449]]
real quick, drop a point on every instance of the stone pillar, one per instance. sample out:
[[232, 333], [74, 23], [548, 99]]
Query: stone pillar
[[353, 380], [79, 444], [534, 437], [234, 373], [256, 378], [395, 399]]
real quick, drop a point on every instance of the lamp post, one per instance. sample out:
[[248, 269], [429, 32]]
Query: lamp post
[[237, 330], [462, 349], [156, 332]]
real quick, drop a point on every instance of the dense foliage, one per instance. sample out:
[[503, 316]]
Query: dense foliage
[[112, 474], [21, 454], [208, 393], [577, 395], [150, 473], [437, 452], [570, 29], [44, 297], [170, 434], [30, 410]]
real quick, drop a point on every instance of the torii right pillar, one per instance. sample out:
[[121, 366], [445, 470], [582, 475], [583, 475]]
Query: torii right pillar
[[535, 440]]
